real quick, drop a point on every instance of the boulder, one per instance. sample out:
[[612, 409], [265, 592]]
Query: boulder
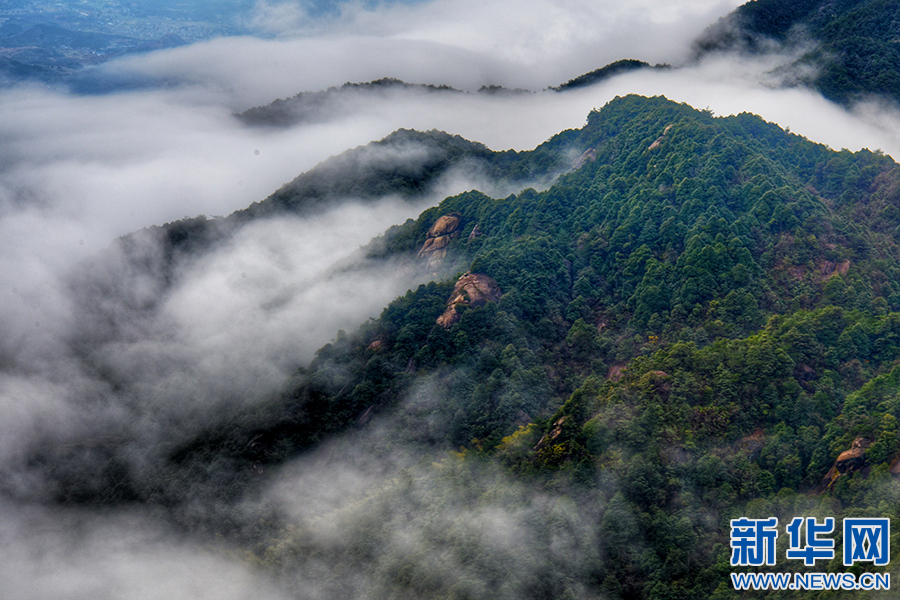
[[752, 444], [471, 289], [554, 433], [658, 141], [590, 155], [854, 458], [446, 225], [847, 461], [441, 233]]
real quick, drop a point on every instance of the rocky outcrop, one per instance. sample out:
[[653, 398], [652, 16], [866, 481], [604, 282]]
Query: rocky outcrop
[[828, 269], [658, 141], [848, 461], [854, 458], [472, 289], [553, 434], [616, 370], [824, 270], [444, 230], [589, 155], [752, 444]]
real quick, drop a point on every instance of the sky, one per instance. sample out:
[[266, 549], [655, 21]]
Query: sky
[[77, 171]]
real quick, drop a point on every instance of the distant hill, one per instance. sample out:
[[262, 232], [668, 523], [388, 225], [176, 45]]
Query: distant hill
[[49, 37], [315, 107], [325, 105], [850, 52], [611, 70], [50, 52]]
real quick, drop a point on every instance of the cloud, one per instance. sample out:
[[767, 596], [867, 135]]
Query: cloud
[[112, 354], [532, 44], [270, 295], [279, 17], [134, 361], [548, 34], [125, 556], [472, 44], [115, 163], [424, 523]]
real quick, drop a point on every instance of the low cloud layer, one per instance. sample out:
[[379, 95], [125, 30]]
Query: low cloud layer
[[529, 44], [536, 45], [127, 555], [425, 523]]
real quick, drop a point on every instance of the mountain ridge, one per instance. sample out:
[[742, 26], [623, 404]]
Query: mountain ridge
[[406, 165]]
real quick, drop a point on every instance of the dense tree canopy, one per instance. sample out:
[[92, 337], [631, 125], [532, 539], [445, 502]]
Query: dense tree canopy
[[855, 54]]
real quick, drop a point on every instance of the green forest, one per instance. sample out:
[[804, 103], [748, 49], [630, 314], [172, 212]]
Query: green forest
[[851, 45], [692, 325]]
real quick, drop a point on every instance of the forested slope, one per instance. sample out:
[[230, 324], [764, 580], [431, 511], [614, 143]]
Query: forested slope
[[406, 166], [854, 52], [691, 327]]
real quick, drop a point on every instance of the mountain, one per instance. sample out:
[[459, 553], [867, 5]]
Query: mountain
[[853, 51], [678, 228], [322, 106], [407, 165], [698, 321], [845, 49], [696, 324]]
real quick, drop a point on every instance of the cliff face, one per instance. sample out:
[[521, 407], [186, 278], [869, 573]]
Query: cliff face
[[472, 289], [444, 230]]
